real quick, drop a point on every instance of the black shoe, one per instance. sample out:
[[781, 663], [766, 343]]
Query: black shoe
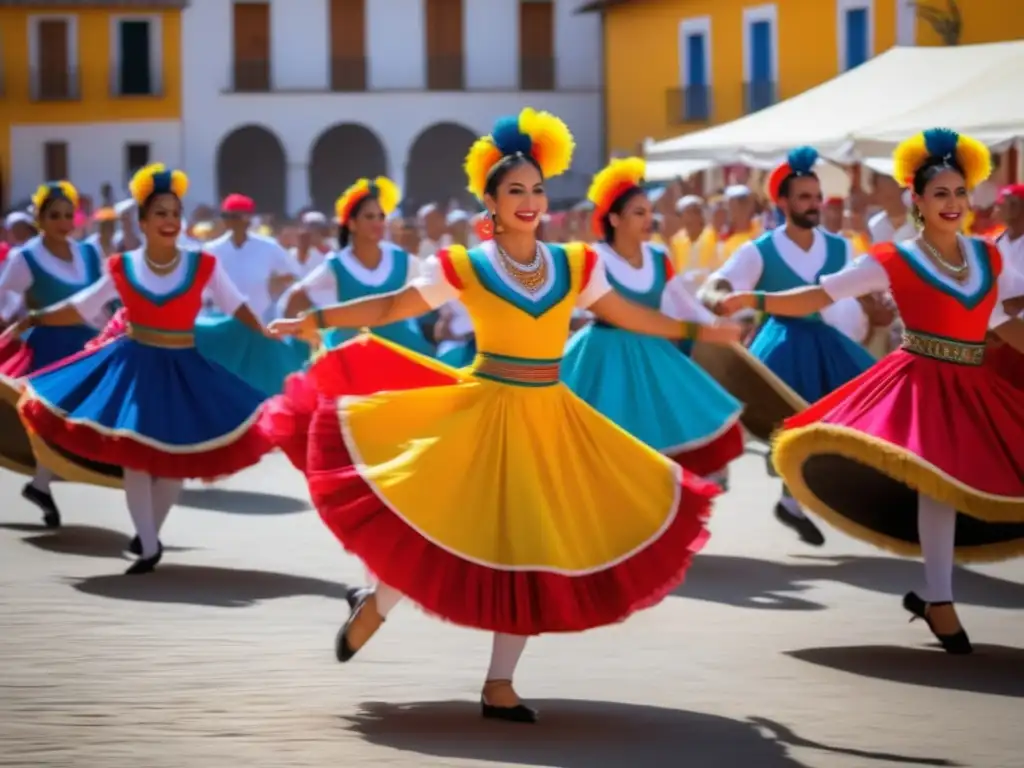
[[51, 515], [957, 644], [520, 713], [353, 595], [804, 526], [135, 546], [145, 564], [357, 600]]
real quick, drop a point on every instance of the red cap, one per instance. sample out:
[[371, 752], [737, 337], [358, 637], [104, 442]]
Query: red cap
[[238, 204], [835, 202], [1012, 190]]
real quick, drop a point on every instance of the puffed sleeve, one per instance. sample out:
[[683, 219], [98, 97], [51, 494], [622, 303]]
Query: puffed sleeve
[[865, 275], [743, 269], [433, 283], [92, 302], [223, 292], [16, 278], [596, 284], [678, 303]]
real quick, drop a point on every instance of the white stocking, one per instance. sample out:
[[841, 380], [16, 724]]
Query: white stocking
[[505, 654], [42, 479], [138, 490], [165, 496], [792, 505], [387, 598], [936, 528]]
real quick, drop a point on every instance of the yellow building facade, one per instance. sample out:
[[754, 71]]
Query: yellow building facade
[[87, 91], [675, 66]]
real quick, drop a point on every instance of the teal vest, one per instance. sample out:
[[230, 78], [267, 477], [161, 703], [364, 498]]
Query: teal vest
[[48, 290], [652, 296], [777, 275]]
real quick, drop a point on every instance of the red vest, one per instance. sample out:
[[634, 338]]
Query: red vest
[[175, 311]]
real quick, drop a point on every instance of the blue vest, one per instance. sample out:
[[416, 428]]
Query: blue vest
[[48, 290], [777, 275], [652, 296]]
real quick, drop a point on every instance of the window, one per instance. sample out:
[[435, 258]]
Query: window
[[136, 156], [444, 45], [53, 55], [855, 31], [55, 161], [692, 101], [348, 45], [252, 47], [137, 56], [760, 56], [536, 45]]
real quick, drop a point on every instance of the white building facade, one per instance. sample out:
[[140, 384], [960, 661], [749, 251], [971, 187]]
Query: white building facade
[[295, 139]]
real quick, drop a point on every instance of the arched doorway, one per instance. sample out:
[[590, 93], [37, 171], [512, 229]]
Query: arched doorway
[[342, 154], [251, 161], [433, 171]]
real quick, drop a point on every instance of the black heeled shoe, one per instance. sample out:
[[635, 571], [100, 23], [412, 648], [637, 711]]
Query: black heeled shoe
[[357, 599], [145, 564], [353, 595], [135, 546], [805, 528], [45, 502], [957, 644], [520, 713]]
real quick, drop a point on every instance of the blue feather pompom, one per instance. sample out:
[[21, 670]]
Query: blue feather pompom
[[801, 160], [508, 138], [941, 142]]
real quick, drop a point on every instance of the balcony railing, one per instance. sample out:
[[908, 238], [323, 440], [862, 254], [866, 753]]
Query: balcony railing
[[55, 85], [759, 94], [251, 76], [348, 73], [445, 73], [537, 73], [691, 104]]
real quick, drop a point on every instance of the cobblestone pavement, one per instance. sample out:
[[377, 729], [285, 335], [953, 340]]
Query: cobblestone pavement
[[772, 655]]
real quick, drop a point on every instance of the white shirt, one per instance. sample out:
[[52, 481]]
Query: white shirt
[[882, 230], [1012, 252], [321, 285], [252, 266], [744, 268], [436, 290], [314, 258], [16, 275], [220, 289], [866, 275]]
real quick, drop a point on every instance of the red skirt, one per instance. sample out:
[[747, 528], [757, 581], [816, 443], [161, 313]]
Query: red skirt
[[1007, 362], [360, 366], [912, 424]]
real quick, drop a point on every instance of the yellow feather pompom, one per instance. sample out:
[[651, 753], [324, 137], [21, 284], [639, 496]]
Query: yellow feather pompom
[[552, 141], [614, 178], [179, 183], [143, 183], [907, 158], [483, 156], [388, 196], [60, 188], [974, 159]]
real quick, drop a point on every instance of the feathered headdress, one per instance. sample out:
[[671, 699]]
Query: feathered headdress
[[157, 179], [799, 162], [53, 190], [612, 182], [384, 189], [969, 155], [539, 135]]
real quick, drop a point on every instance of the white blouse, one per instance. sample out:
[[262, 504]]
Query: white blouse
[[16, 276], [437, 291], [866, 275], [220, 289]]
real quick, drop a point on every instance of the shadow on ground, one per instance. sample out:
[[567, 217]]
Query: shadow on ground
[[206, 585], [241, 502], [748, 582], [591, 734], [82, 540], [991, 669]]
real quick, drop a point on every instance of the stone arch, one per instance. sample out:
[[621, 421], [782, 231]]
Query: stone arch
[[433, 171], [340, 155], [251, 161]]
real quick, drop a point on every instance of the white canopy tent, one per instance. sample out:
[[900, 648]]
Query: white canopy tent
[[866, 111]]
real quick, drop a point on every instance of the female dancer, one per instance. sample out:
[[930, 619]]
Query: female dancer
[[643, 383], [496, 501], [148, 401], [365, 264], [45, 270], [929, 430]]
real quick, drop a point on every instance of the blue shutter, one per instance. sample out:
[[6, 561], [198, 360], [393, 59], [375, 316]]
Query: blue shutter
[[696, 74], [856, 37], [761, 52]]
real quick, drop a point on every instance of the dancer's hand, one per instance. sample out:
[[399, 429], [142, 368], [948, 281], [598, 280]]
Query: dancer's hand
[[14, 330], [721, 333], [736, 302], [1014, 307], [303, 327]]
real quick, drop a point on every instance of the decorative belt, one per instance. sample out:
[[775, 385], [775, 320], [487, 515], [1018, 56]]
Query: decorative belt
[[940, 348], [153, 337], [521, 371]]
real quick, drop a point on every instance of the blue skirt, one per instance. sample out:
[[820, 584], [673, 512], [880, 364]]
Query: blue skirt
[[649, 388], [169, 412], [52, 343], [263, 363], [406, 333], [811, 356], [458, 354]]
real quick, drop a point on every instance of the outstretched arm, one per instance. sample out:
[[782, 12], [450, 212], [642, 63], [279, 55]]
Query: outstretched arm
[[625, 314], [364, 313]]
